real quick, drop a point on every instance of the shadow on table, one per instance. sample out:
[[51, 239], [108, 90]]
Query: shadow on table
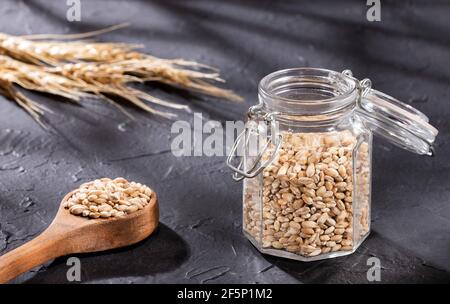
[[163, 251], [397, 266]]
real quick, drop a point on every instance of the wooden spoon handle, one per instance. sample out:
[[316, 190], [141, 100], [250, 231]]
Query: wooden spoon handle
[[43, 248]]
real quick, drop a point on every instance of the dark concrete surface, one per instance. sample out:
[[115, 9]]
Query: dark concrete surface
[[407, 55]]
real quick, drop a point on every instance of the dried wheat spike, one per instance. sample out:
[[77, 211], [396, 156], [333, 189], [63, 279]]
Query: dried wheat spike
[[79, 69]]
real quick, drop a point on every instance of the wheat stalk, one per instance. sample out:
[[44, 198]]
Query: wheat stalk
[[79, 69]]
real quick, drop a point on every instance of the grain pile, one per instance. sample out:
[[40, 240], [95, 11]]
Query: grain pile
[[308, 195], [105, 198]]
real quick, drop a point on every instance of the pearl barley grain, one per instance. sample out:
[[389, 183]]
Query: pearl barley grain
[[307, 206], [106, 198]]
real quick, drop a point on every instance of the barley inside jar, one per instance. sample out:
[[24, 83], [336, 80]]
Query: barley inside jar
[[306, 160]]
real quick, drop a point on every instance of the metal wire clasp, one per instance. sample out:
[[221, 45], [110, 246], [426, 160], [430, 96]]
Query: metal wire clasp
[[364, 85], [256, 167]]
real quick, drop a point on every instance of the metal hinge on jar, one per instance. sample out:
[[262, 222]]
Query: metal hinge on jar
[[275, 139]]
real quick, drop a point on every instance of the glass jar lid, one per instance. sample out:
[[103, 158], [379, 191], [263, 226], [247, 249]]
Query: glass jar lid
[[395, 121]]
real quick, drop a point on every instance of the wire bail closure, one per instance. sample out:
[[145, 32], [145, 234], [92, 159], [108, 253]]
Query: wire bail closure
[[275, 138], [364, 85]]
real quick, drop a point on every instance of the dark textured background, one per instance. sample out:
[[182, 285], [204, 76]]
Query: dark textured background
[[200, 241]]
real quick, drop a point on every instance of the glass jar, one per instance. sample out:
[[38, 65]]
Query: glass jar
[[306, 156]]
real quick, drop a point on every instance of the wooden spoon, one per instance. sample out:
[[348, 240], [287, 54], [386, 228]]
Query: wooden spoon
[[69, 234]]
